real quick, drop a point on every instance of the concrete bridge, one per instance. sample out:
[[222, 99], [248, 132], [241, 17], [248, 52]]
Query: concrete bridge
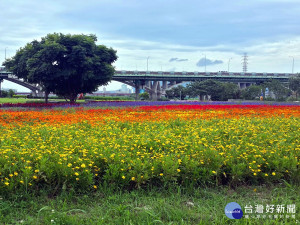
[[36, 89], [156, 83]]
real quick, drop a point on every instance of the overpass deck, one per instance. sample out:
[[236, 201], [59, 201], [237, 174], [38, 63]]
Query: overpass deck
[[193, 76]]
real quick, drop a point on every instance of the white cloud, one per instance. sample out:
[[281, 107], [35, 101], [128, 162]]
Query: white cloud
[[268, 30]]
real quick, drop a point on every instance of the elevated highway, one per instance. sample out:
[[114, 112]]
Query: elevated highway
[[157, 82]]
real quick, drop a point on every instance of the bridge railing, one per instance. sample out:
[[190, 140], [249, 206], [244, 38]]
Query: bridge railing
[[222, 73], [12, 76]]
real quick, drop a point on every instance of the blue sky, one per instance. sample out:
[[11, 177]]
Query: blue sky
[[175, 35]]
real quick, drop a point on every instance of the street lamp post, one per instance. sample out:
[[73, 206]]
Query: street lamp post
[[204, 62], [5, 53], [229, 64], [293, 63], [147, 62]]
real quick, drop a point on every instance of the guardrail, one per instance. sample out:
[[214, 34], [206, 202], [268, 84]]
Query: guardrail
[[160, 73]]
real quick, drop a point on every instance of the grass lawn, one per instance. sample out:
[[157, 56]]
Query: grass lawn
[[27, 100], [173, 205], [13, 100]]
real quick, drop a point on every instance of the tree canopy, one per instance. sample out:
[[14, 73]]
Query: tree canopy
[[179, 92], [280, 90], [253, 92], [216, 90], [64, 64]]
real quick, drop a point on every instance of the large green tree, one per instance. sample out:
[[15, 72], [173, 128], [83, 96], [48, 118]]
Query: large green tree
[[64, 64], [196, 88], [230, 91], [213, 88], [252, 92]]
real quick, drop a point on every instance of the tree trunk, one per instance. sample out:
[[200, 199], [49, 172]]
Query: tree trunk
[[72, 97], [46, 96], [72, 100]]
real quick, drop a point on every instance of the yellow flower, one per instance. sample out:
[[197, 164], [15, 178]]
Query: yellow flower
[[95, 186], [266, 174], [123, 177], [36, 171], [22, 182], [15, 173], [6, 183], [254, 174], [273, 173], [11, 175], [161, 174], [213, 172], [178, 170], [133, 178], [34, 177], [77, 178], [69, 164], [76, 174], [82, 165]]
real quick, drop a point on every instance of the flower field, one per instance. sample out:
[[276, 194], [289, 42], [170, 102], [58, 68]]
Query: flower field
[[82, 148]]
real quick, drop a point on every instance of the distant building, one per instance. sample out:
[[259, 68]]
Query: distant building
[[124, 91], [124, 88]]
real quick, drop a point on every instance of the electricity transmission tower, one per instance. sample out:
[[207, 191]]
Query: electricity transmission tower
[[245, 62]]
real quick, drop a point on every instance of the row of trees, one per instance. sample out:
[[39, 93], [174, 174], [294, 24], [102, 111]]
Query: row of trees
[[221, 91], [64, 64], [10, 93], [216, 90]]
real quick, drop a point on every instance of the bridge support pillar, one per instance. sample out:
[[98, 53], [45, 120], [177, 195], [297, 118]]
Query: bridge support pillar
[[137, 89], [164, 85], [0, 87], [33, 94], [154, 90], [159, 90], [242, 85], [148, 84]]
